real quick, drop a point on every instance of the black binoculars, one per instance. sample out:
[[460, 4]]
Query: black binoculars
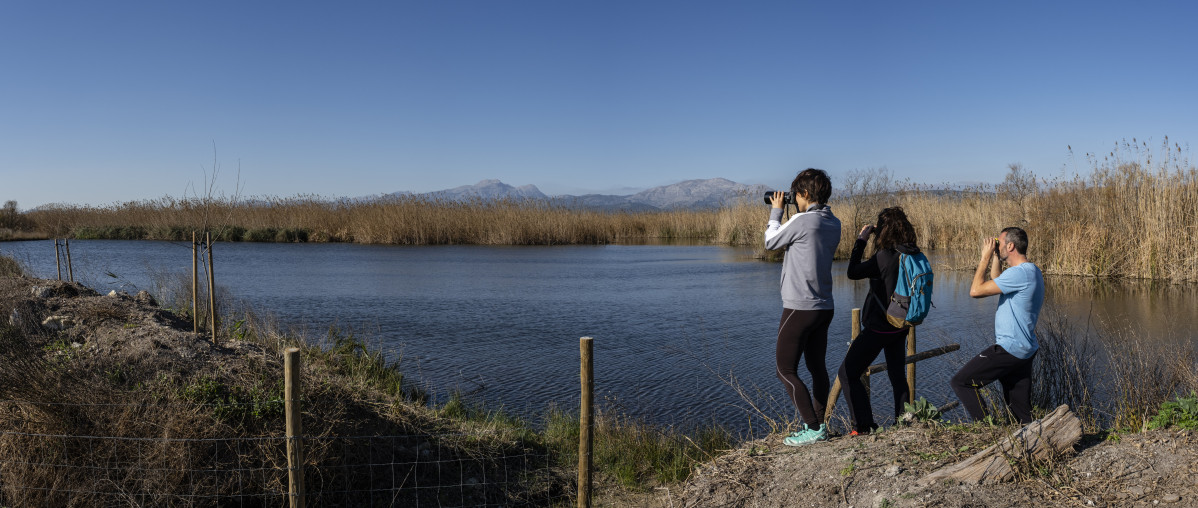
[[787, 198]]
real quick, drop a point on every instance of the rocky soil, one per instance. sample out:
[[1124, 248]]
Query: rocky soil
[[883, 470]]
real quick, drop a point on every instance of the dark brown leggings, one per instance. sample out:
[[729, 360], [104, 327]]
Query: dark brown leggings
[[804, 333]]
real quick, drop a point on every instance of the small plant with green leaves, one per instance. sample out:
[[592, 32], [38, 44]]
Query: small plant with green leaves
[[932, 457], [61, 346], [233, 403], [1182, 413], [239, 330], [117, 376], [848, 470], [921, 410]]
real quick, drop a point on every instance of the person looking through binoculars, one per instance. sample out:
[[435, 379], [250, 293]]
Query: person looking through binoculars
[[810, 238], [894, 236], [1021, 296]]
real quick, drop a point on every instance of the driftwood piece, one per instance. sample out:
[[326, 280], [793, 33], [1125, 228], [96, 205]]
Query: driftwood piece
[[1042, 439]]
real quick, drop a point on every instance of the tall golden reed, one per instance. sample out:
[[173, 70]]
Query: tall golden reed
[[1132, 216]]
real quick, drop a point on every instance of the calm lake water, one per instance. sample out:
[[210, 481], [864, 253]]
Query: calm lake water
[[671, 324]]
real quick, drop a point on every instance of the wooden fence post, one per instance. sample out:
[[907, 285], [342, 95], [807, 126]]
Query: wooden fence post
[[57, 259], [70, 267], [834, 393], [295, 428], [856, 332], [211, 289], [586, 426], [856, 324], [195, 286], [911, 366]]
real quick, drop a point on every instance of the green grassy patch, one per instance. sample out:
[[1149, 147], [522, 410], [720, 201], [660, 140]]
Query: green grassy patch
[[632, 452], [234, 403]]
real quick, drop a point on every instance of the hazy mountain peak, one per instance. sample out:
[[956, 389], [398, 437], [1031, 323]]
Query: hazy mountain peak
[[697, 193]]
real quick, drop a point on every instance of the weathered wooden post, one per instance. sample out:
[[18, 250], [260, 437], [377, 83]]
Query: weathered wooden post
[[911, 366], [70, 267], [211, 289], [856, 324], [295, 428], [834, 393], [195, 286], [585, 425], [57, 259], [856, 332]]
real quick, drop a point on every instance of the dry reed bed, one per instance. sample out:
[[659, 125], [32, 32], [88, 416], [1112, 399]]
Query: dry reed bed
[[1132, 216]]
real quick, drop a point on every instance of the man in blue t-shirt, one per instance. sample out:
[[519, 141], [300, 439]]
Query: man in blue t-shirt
[[1009, 360]]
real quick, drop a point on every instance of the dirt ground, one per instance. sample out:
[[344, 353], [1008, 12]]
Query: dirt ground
[[117, 328], [883, 470]]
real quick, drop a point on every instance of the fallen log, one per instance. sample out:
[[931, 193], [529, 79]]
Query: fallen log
[[1042, 439]]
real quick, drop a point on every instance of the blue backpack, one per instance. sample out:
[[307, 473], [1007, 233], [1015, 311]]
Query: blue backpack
[[912, 296]]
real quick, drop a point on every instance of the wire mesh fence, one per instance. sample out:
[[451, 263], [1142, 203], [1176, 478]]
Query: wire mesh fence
[[451, 469]]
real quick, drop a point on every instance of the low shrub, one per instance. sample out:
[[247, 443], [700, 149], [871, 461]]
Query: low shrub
[[1182, 413]]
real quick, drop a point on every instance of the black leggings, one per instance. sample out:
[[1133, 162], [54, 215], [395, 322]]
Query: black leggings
[[862, 352], [804, 332], [995, 363]]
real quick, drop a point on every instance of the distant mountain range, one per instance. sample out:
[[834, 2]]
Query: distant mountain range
[[690, 194]]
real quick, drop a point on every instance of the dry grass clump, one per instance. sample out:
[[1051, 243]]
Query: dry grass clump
[[9, 267]]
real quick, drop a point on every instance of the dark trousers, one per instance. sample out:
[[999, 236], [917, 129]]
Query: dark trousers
[[996, 364], [804, 333], [862, 352]]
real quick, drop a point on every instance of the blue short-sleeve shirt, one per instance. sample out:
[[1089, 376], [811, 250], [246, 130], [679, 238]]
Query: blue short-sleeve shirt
[[1018, 309]]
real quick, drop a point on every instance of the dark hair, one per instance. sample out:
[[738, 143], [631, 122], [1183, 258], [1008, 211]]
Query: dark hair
[[813, 184], [893, 229], [1018, 237]]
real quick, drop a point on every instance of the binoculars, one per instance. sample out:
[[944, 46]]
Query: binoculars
[[787, 198]]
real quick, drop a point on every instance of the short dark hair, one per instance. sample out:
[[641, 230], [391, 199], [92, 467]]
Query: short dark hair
[[813, 184], [1018, 237]]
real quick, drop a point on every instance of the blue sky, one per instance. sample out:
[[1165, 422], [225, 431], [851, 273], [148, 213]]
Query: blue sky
[[104, 102]]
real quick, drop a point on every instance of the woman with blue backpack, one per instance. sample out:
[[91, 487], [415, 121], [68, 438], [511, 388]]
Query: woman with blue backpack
[[885, 316]]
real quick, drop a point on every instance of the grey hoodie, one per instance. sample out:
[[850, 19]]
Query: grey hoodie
[[810, 238]]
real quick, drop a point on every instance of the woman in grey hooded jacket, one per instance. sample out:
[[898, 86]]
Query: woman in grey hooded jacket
[[810, 239]]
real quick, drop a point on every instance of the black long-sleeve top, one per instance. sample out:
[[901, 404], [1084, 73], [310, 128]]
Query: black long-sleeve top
[[882, 271]]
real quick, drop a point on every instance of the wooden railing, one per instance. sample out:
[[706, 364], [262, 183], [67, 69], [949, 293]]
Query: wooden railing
[[912, 357]]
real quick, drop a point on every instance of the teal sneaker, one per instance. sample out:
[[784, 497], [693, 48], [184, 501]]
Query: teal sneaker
[[806, 436]]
